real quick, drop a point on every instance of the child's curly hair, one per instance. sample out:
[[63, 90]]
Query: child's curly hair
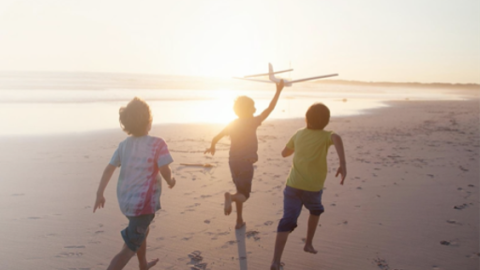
[[317, 116], [244, 106], [135, 118]]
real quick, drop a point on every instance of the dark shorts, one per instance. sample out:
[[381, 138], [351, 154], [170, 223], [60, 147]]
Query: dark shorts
[[136, 232], [293, 200], [242, 175]]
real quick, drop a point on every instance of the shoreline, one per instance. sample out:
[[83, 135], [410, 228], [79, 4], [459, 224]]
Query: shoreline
[[66, 119], [410, 199]]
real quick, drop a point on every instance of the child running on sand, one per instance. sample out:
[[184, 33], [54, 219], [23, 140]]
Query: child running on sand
[[243, 149], [307, 176], [141, 157]]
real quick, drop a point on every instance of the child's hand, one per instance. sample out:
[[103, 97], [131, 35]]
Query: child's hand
[[210, 150], [280, 85], [342, 170], [172, 182], [99, 202]]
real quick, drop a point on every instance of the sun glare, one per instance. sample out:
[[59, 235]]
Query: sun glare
[[220, 109]]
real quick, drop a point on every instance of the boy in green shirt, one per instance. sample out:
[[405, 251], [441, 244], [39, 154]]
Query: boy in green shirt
[[307, 176]]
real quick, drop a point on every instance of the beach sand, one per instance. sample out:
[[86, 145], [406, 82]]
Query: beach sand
[[410, 200]]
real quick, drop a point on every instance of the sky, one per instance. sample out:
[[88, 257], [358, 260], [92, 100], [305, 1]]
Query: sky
[[369, 40]]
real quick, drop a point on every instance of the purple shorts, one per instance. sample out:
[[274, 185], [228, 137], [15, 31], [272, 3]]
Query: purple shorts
[[293, 200], [242, 175]]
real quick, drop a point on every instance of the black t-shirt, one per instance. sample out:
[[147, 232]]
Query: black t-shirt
[[243, 136]]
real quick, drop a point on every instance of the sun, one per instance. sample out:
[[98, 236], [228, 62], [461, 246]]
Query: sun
[[219, 108]]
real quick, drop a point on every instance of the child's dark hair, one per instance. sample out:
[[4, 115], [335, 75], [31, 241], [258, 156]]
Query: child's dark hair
[[317, 116], [135, 118]]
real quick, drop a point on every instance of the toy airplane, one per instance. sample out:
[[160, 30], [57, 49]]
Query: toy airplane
[[273, 79]]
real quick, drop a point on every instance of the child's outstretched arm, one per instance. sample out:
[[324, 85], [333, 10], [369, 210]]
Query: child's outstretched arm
[[287, 152], [167, 175], [107, 174], [215, 139], [342, 169], [273, 103]]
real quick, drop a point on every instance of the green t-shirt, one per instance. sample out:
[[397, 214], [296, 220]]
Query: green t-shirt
[[309, 168]]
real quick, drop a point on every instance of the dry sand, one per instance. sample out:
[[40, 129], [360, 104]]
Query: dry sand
[[411, 198]]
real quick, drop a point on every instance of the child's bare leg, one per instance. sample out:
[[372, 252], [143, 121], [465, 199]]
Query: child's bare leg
[[240, 222], [228, 204], [312, 227], [142, 255], [280, 243], [121, 259], [239, 199]]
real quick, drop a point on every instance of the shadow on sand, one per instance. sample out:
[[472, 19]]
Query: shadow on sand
[[242, 248]]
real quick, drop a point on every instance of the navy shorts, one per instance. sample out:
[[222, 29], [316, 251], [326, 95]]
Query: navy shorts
[[136, 232], [242, 175], [293, 200]]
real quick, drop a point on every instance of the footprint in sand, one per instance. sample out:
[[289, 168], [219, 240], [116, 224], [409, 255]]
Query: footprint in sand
[[449, 243], [69, 254], [474, 255], [345, 222], [229, 243], [382, 264], [268, 223], [461, 206], [452, 221], [253, 234], [74, 246], [196, 261]]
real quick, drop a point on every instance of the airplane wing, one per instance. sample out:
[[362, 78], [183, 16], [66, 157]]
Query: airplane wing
[[266, 74], [314, 78], [253, 80]]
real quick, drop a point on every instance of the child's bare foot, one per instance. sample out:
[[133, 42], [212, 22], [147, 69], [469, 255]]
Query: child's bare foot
[[149, 265], [276, 266], [228, 204], [239, 225], [310, 249]]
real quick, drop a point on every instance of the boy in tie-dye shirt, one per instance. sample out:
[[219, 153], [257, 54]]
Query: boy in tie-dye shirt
[[141, 158]]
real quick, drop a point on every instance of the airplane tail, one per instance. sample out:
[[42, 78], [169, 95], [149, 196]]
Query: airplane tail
[[271, 75]]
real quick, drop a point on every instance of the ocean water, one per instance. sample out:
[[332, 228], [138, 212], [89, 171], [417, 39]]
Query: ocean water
[[57, 103]]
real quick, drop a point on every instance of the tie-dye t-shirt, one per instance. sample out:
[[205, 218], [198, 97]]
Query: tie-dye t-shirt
[[139, 183]]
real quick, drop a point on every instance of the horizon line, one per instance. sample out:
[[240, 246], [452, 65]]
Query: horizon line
[[332, 81]]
